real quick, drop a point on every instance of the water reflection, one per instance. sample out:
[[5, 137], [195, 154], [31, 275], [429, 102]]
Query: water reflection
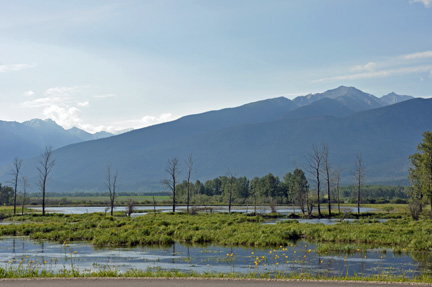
[[298, 258], [149, 209]]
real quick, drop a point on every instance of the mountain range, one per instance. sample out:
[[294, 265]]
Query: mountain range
[[274, 135], [28, 139]]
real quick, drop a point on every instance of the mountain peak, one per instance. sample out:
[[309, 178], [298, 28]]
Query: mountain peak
[[39, 123], [393, 98], [353, 98]]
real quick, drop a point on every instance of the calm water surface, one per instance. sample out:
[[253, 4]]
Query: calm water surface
[[167, 208], [300, 257]]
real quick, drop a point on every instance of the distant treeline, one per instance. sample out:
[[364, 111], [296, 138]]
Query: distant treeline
[[265, 190], [271, 188], [94, 194]]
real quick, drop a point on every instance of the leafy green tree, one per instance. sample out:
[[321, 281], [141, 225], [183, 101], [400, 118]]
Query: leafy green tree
[[287, 189], [243, 188], [254, 191], [270, 186], [6, 194], [420, 173], [300, 188], [213, 187]]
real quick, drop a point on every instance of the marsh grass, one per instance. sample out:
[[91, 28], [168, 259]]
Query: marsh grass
[[156, 272], [219, 229]]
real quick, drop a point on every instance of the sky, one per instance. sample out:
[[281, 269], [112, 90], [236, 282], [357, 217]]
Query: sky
[[113, 65]]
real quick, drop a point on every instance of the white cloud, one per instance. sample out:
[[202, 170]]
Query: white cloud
[[41, 102], [63, 91], [368, 67], [16, 67], [29, 93], [105, 96], [426, 3], [61, 104], [66, 96], [379, 74], [83, 104], [419, 55], [67, 117], [399, 65]]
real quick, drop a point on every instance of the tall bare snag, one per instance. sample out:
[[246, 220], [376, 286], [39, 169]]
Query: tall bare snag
[[359, 173], [315, 161], [16, 167], [111, 185], [46, 163], [173, 170]]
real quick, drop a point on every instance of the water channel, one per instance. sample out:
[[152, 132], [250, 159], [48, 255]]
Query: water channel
[[299, 257], [140, 210]]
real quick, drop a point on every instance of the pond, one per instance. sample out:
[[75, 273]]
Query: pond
[[299, 257], [144, 209]]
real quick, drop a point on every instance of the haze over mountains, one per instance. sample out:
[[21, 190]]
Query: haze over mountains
[[273, 135]]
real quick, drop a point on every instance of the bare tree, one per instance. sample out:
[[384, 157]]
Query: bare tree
[[111, 185], [130, 207], [173, 170], [325, 151], [24, 193], [231, 181], [336, 181], [46, 163], [189, 164], [359, 173], [15, 170], [314, 162]]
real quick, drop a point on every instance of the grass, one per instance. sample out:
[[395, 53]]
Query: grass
[[6, 211], [32, 271], [401, 235], [219, 229]]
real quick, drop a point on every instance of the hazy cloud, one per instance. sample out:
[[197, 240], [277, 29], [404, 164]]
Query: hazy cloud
[[426, 3], [368, 67], [62, 91], [16, 67], [141, 123], [84, 104], [399, 65], [58, 95], [105, 96], [29, 93], [420, 55], [379, 74]]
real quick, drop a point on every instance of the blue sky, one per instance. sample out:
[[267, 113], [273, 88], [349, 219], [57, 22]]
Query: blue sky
[[117, 64]]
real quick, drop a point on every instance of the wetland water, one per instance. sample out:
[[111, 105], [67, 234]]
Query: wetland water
[[299, 257], [141, 210]]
